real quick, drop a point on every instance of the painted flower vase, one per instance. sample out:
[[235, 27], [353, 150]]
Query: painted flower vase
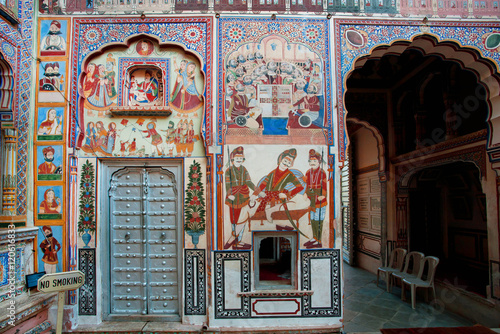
[[86, 238], [195, 237]]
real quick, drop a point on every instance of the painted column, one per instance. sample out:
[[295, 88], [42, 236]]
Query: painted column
[[402, 219], [73, 221], [9, 174]]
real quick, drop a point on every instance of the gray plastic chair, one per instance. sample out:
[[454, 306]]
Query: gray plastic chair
[[418, 282], [396, 261]]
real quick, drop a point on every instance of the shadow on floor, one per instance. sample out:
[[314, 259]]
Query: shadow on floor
[[367, 308]]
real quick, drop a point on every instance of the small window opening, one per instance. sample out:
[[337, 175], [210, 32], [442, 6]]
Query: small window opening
[[275, 261]]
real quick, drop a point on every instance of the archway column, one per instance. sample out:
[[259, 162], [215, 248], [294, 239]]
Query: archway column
[[402, 218], [9, 170]]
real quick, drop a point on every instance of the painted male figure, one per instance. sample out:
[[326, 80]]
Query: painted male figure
[[50, 246], [315, 179], [238, 185], [48, 166], [272, 190]]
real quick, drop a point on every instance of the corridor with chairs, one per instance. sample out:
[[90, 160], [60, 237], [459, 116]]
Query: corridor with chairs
[[368, 308]]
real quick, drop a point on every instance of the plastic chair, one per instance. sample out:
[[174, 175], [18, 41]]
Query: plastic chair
[[419, 282], [411, 268], [396, 261]]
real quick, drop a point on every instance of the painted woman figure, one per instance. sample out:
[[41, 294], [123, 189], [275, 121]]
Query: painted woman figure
[[91, 135], [50, 203], [51, 125], [190, 138], [102, 94], [102, 136], [154, 135], [187, 99], [111, 137], [179, 80], [89, 83]]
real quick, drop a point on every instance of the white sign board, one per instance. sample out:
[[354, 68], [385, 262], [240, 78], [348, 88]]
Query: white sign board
[[68, 280]]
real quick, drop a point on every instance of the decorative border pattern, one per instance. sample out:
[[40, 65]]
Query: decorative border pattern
[[294, 30], [87, 293], [220, 310], [32, 310], [379, 32], [91, 34], [40, 328], [334, 256], [20, 61], [192, 306]]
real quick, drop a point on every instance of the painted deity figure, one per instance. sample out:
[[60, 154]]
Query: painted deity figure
[[50, 246], [50, 203], [316, 190], [148, 88], [51, 125], [111, 139], [238, 186]]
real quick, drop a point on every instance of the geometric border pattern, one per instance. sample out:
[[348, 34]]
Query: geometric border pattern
[[87, 293], [21, 38], [334, 256], [198, 306], [220, 311]]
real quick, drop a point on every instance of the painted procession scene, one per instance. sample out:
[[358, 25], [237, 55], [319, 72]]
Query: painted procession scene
[[273, 87], [287, 192], [150, 83]]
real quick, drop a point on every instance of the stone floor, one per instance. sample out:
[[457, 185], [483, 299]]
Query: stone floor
[[367, 308]]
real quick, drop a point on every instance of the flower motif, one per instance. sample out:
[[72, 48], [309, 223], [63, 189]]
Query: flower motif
[[114, 34], [273, 27], [92, 34], [236, 33], [143, 28], [8, 49], [193, 34], [311, 33]]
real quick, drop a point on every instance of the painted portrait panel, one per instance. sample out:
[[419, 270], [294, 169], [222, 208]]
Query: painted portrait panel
[[52, 81], [53, 37], [50, 249], [50, 202], [49, 162], [50, 123]]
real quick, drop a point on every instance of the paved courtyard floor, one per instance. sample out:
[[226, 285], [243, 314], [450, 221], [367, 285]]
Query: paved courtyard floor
[[367, 308]]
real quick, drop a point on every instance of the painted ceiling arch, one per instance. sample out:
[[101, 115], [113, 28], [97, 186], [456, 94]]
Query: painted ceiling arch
[[358, 43]]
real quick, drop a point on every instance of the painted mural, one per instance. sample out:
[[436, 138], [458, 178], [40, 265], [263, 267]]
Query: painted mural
[[287, 192], [50, 254], [50, 123], [53, 37], [146, 79], [50, 162], [52, 81], [274, 79], [49, 203], [273, 87]]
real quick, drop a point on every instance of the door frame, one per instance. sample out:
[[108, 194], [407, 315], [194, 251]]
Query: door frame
[[107, 168]]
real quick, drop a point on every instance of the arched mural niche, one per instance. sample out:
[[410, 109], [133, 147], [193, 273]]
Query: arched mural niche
[[141, 99]]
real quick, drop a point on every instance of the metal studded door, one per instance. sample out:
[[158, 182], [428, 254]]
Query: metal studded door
[[143, 242]]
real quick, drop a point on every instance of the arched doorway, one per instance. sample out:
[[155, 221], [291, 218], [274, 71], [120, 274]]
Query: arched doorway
[[430, 102], [447, 209]]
